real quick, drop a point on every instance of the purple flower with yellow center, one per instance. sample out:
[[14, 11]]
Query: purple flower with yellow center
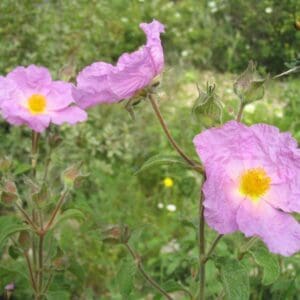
[[105, 83], [28, 96], [252, 183]]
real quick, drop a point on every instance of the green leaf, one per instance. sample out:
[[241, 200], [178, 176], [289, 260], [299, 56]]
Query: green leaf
[[269, 263], [61, 295], [172, 286], [9, 225], [71, 213], [125, 277], [235, 279], [162, 160]]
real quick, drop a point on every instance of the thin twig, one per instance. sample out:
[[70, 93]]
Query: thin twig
[[212, 248], [30, 270], [201, 248], [56, 210], [240, 112], [139, 265], [170, 137], [26, 216]]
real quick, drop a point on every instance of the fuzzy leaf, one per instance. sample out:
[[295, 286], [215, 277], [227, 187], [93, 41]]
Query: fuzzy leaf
[[71, 213], [125, 277], [162, 160], [8, 226], [269, 263], [234, 278]]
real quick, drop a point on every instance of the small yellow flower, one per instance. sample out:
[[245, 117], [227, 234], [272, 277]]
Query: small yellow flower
[[168, 182]]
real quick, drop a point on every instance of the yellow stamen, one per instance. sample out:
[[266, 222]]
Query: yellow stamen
[[36, 104], [254, 183]]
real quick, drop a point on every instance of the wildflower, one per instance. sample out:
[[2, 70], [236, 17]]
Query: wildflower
[[160, 205], [171, 207], [105, 83], [253, 183], [28, 96], [268, 10], [168, 182]]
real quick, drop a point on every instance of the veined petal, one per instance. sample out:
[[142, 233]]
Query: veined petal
[[280, 231]]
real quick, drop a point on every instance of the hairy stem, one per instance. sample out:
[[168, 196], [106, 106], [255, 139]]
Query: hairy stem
[[151, 281], [170, 137], [34, 150], [32, 280], [240, 112], [56, 210], [27, 217], [201, 241]]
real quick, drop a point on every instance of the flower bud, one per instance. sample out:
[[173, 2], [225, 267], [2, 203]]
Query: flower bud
[[9, 193], [249, 86]]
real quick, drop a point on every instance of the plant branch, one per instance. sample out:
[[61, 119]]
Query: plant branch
[[26, 216], [212, 248], [32, 280], [151, 281], [166, 130], [56, 210], [201, 241], [240, 112]]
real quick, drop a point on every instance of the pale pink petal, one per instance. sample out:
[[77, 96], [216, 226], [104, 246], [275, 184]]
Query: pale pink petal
[[221, 200], [93, 86], [280, 231], [59, 95], [70, 115], [31, 79]]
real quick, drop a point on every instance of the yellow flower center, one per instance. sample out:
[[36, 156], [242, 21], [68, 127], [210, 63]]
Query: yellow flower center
[[254, 183], [168, 182], [36, 104]]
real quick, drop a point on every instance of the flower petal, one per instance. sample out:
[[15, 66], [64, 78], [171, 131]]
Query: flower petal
[[31, 79], [280, 231], [221, 200], [70, 115]]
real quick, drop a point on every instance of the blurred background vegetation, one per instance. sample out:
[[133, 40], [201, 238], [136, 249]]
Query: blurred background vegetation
[[205, 41]]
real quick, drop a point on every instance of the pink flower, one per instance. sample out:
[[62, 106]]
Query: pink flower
[[28, 96], [104, 83], [253, 183]]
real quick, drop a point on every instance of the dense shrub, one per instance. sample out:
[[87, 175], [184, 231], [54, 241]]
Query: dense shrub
[[221, 34]]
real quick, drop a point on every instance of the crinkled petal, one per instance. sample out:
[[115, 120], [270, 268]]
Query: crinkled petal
[[257, 146], [8, 90], [231, 141], [93, 86], [280, 231], [31, 79], [135, 71], [17, 115], [70, 115], [59, 95], [153, 31], [221, 200], [104, 83]]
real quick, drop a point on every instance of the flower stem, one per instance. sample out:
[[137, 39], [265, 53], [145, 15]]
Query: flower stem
[[34, 149], [165, 128], [201, 241], [240, 112], [32, 280], [151, 281], [212, 248]]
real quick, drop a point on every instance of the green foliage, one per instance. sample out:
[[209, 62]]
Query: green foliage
[[235, 279], [269, 262], [219, 34]]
